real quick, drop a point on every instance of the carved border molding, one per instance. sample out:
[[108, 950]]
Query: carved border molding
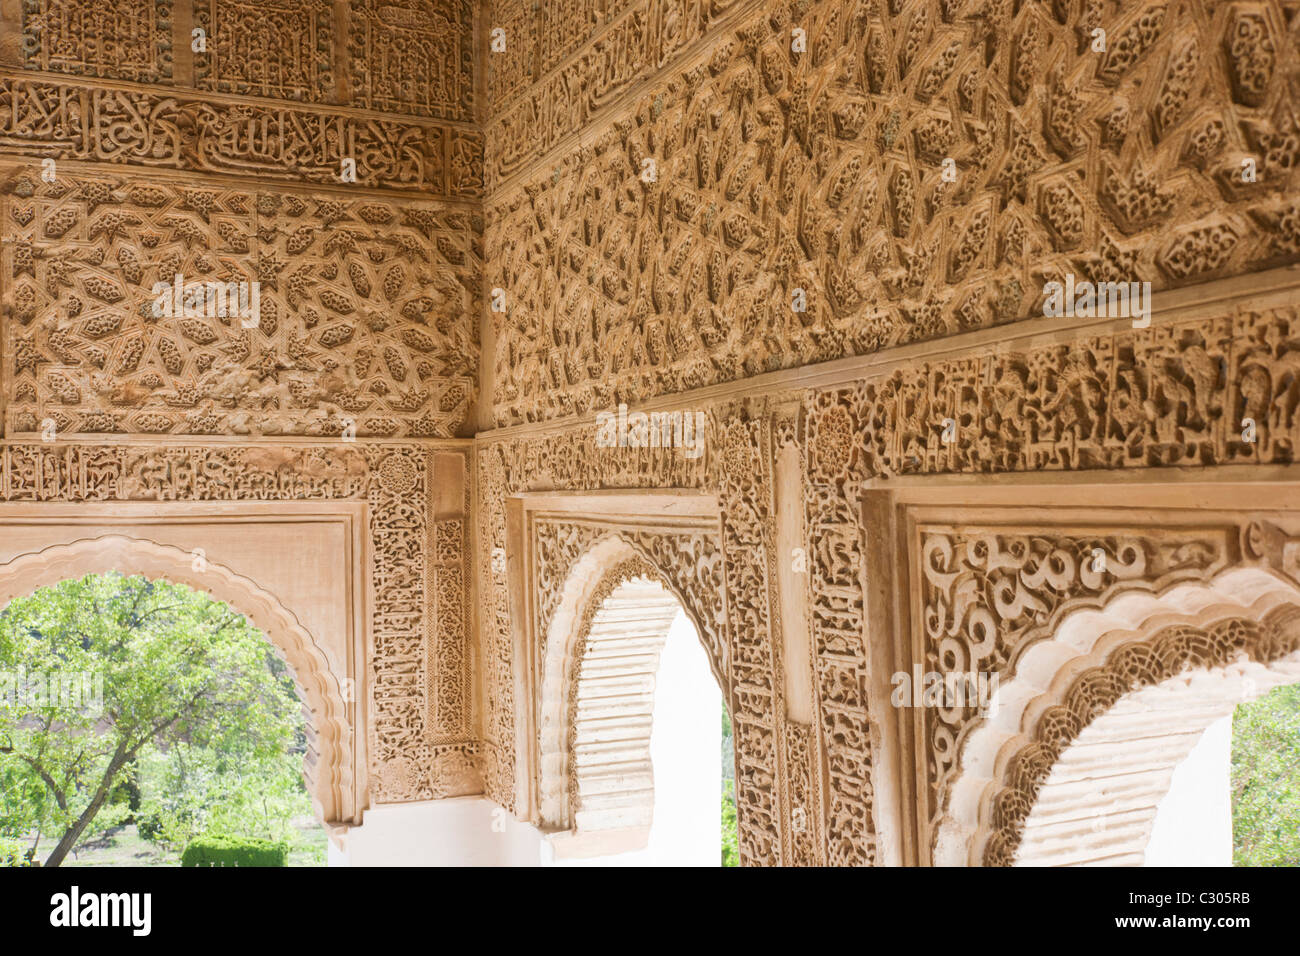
[[1169, 652]]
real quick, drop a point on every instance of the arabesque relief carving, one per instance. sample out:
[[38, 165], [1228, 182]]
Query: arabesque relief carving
[[247, 139], [274, 48], [124, 39], [669, 247], [362, 318], [987, 594], [1173, 395], [1171, 651], [638, 199], [690, 562], [413, 56]]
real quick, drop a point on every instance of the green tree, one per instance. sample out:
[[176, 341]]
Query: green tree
[[177, 670], [1266, 780], [189, 791], [730, 834]]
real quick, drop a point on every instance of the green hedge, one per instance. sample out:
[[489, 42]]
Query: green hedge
[[234, 851]]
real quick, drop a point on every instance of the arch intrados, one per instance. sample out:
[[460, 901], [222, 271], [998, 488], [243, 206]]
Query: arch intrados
[[1155, 727]]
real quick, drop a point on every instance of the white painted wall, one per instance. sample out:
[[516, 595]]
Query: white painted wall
[[461, 831], [1193, 825], [686, 750]]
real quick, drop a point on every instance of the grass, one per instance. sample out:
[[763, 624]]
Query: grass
[[123, 846]]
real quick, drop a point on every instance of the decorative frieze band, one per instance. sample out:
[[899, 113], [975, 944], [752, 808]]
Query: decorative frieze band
[[162, 129]]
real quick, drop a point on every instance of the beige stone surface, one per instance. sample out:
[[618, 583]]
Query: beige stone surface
[[823, 230]]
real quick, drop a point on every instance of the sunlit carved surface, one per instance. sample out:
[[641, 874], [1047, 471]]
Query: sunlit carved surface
[[496, 221], [776, 171], [362, 311]]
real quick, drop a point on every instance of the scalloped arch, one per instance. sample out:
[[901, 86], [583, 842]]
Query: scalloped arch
[[974, 829], [610, 561]]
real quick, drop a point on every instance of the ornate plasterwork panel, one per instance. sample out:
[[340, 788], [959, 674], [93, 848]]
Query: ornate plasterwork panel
[[450, 705], [566, 59], [413, 56], [987, 594], [836, 572], [776, 171], [364, 311], [407, 56], [124, 39], [250, 139], [411, 758], [274, 48], [1171, 651], [1172, 395]]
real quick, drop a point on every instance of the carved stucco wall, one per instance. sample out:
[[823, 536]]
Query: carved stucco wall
[[283, 91], [774, 170], [364, 310], [167, 161], [226, 164], [1132, 400], [822, 170]]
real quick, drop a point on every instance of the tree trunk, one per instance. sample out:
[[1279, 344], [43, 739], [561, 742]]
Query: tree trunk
[[74, 832]]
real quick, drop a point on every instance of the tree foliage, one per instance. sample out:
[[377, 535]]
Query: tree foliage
[[185, 684], [1266, 780], [730, 835]]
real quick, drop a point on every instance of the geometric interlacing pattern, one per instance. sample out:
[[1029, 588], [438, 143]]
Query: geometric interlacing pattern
[[774, 172]]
